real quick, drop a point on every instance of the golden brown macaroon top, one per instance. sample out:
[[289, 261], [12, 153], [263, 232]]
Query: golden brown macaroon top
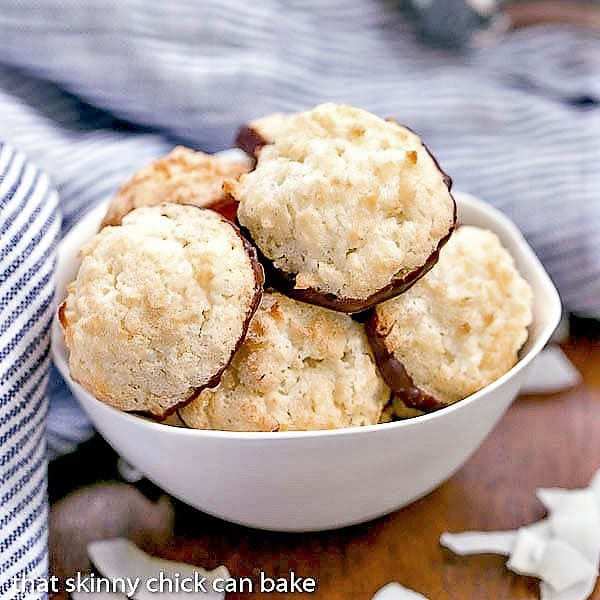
[[301, 367], [183, 176], [158, 307], [460, 327], [346, 203]]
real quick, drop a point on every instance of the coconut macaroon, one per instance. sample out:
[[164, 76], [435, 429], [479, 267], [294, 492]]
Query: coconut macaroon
[[346, 209], [159, 306], [300, 367], [260, 132], [183, 176], [458, 329]]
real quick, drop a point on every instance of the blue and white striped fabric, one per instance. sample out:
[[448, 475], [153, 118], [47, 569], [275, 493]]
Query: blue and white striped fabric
[[29, 230], [90, 91]]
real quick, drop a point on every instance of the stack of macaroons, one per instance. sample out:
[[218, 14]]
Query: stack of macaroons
[[347, 214]]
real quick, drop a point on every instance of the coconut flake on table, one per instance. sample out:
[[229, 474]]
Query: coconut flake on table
[[479, 542], [527, 553], [121, 558], [575, 518], [540, 528], [558, 499], [562, 550], [395, 591], [551, 372], [595, 484], [553, 561], [562, 566], [580, 591], [580, 531]]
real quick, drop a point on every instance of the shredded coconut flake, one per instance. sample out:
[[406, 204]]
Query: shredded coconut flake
[[580, 530], [558, 499], [527, 553], [395, 591], [563, 550], [121, 558], [479, 542], [551, 372], [580, 591], [562, 566]]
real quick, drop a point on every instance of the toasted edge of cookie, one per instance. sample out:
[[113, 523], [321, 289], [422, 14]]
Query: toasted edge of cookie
[[213, 381], [162, 172], [395, 374]]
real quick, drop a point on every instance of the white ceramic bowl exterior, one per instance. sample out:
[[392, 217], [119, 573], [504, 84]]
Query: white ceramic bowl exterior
[[300, 481]]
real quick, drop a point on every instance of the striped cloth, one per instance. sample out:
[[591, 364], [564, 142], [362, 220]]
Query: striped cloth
[[29, 230], [90, 91]]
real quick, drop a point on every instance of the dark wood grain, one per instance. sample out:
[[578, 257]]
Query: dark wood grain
[[541, 441]]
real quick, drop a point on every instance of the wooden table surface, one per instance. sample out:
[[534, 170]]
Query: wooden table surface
[[541, 441]]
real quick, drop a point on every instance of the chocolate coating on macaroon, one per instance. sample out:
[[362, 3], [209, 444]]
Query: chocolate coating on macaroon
[[346, 209], [159, 306], [285, 282], [260, 132], [394, 373], [300, 367], [250, 140], [458, 329]]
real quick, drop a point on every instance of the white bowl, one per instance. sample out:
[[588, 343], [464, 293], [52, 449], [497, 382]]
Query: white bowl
[[315, 480]]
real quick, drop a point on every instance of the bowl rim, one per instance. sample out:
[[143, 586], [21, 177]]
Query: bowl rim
[[463, 199]]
